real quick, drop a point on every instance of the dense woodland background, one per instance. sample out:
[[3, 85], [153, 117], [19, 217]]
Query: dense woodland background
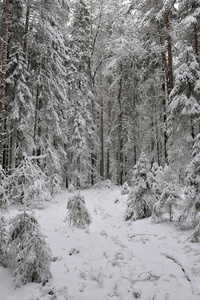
[[87, 86]]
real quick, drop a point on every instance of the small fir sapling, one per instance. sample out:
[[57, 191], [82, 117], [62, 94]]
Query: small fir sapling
[[141, 198], [158, 179], [190, 218], [55, 184], [77, 214], [29, 254], [71, 188], [125, 189], [167, 203], [108, 184], [28, 183]]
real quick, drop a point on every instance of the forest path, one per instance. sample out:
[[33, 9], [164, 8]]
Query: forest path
[[113, 259]]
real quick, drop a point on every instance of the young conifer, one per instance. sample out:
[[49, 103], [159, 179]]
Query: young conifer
[[141, 198], [29, 254], [77, 214]]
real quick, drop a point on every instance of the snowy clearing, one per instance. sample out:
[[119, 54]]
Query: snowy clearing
[[113, 259]]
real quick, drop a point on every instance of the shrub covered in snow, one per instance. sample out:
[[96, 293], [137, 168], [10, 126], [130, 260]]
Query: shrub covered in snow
[[28, 184], [167, 203], [141, 198], [29, 254], [125, 189], [77, 214]]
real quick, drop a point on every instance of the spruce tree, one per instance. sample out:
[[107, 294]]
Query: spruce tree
[[190, 217], [81, 127], [28, 184], [77, 214], [141, 198], [29, 254], [184, 110], [164, 209]]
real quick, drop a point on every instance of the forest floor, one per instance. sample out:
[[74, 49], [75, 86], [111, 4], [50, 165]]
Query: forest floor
[[113, 259]]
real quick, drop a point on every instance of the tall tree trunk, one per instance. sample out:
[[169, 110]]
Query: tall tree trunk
[[26, 31], [152, 129], [196, 47], [102, 143], [163, 57], [167, 66], [3, 78], [157, 150], [164, 129], [120, 139], [169, 52], [108, 143]]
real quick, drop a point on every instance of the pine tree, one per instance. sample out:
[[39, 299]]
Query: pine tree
[[77, 214], [141, 198], [28, 252]]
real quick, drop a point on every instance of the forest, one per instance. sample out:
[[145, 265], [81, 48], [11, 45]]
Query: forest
[[100, 93], [86, 86]]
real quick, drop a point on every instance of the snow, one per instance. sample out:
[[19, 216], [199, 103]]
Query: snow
[[112, 259]]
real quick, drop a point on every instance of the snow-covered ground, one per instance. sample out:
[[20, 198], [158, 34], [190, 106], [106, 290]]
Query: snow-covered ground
[[113, 259]]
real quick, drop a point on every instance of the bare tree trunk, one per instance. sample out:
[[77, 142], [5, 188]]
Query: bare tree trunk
[[196, 48], [26, 31], [168, 69], [152, 128], [102, 143], [3, 78], [108, 144], [120, 140], [156, 137], [92, 79], [169, 51], [163, 57]]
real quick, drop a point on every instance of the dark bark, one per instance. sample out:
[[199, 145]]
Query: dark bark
[[102, 143], [108, 146], [26, 32], [169, 52], [196, 47], [120, 139]]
